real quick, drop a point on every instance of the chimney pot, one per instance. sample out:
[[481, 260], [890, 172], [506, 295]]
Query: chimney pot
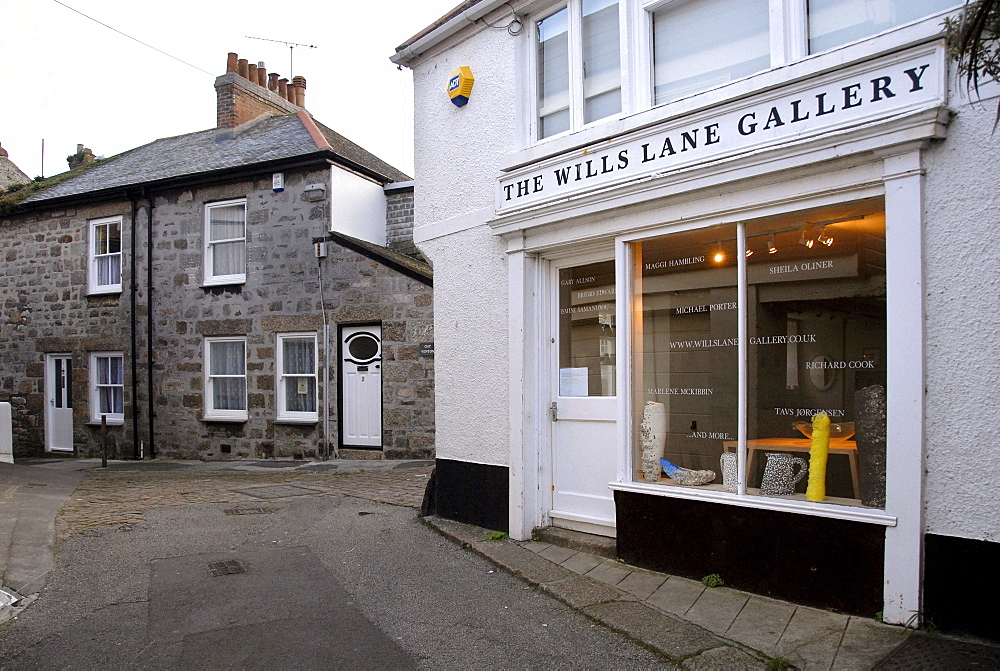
[[231, 62], [272, 81], [300, 90], [242, 68], [252, 72], [283, 88], [261, 73]]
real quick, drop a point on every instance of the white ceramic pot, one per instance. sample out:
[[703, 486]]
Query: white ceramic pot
[[653, 439]]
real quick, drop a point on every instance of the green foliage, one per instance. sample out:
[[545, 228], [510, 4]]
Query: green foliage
[[497, 536], [713, 580], [880, 616], [778, 663], [974, 42]]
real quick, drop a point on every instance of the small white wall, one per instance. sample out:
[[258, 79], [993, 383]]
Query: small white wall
[[962, 251], [457, 153], [6, 434], [357, 206]]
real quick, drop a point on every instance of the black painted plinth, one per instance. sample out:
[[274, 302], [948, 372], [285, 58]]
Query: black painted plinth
[[832, 564], [472, 493], [961, 589]]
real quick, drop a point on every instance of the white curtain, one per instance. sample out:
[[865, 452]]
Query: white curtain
[[553, 74], [699, 45], [299, 374], [227, 373], [602, 87], [227, 237], [110, 385], [836, 22], [107, 254]]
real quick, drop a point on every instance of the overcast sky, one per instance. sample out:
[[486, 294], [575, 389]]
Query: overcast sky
[[70, 80]]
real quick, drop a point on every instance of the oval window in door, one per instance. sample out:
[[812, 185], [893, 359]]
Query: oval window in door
[[362, 348]]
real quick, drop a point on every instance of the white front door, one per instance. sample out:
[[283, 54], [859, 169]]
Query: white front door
[[361, 386], [59, 402], [584, 409]]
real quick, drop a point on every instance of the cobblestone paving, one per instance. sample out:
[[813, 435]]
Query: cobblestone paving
[[121, 498]]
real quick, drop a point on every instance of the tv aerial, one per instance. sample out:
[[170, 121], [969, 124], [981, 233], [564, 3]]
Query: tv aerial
[[291, 50]]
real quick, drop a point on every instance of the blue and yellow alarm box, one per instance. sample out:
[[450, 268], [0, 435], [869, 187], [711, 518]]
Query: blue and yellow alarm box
[[460, 85]]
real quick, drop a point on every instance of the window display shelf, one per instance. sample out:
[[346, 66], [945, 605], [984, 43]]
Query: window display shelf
[[832, 507]]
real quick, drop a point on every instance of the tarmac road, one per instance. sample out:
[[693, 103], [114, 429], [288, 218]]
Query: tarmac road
[[320, 580]]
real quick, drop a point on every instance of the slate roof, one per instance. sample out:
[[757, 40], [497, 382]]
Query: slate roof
[[400, 262], [263, 140]]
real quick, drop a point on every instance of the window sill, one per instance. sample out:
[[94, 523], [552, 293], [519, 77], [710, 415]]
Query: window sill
[[224, 283], [715, 494], [228, 420], [104, 293], [295, 420], [111, 422]]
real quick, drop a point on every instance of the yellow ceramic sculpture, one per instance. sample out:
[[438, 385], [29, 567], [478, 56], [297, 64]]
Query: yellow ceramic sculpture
[[818, 453]]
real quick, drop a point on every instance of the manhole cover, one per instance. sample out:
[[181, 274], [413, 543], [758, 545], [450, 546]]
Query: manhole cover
[[249, 511], [278, 491], [228, 567], [936, 652]]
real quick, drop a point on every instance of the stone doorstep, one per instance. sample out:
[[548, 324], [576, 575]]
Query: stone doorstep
[[577, 540], [676, 639]]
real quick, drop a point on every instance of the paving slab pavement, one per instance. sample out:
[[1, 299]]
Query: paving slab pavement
[[715, 628]]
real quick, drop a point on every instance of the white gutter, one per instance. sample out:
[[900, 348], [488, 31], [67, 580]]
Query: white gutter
[[442, 32]]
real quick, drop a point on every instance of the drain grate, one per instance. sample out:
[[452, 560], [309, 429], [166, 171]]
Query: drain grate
[[936, 652], [250, 511], [278, 491], [228, 567]]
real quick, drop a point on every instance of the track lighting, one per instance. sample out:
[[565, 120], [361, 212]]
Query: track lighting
[[808, 242], [824, 238]]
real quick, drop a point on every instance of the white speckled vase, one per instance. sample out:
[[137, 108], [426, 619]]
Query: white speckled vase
[[652, 438]]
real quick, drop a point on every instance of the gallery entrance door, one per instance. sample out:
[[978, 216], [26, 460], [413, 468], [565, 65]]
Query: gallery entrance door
[[583, 410]]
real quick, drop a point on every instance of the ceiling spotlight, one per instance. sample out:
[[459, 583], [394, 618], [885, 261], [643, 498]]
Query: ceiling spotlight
[[824, 238], [808, 242], [719, 257], [771, 249]]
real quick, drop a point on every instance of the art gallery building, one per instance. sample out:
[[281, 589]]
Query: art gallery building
[[742, 214]]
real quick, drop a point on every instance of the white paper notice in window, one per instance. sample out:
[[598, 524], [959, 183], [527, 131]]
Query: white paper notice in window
[[573, 381]]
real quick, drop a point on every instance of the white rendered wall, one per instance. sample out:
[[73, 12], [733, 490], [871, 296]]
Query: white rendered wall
[[457, 156], [962, 279], [357, 206]]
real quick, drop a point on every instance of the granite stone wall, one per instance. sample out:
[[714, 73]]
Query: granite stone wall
[[43, 287]]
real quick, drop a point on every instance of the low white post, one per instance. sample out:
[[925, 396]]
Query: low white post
[[6, 435]]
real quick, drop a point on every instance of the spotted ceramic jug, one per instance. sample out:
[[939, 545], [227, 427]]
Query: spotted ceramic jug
[[780, 476]]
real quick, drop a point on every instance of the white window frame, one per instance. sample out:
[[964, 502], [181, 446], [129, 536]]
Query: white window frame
[[93, 258], [224, 415], [211, 279], [282, 379], [113, 418], [789, 46], [575, 45]]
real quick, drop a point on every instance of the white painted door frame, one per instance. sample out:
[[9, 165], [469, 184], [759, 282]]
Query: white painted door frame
[[59, 402], [361, 386]]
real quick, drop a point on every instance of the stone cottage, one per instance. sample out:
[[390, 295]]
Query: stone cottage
[[240, 292]]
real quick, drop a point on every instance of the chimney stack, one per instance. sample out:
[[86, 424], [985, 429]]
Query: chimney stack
[[248, 91]]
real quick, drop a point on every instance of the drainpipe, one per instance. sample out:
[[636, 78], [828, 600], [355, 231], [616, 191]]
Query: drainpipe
[[149, 322], [133, 327]]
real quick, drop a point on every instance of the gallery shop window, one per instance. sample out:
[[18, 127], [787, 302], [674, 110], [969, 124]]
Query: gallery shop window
[[587, 330], [226, 379], [107, 387], [699, 45], [297, 375], [225, 242], [836, 22], [813, 293], [578, 66], [104, 267]]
